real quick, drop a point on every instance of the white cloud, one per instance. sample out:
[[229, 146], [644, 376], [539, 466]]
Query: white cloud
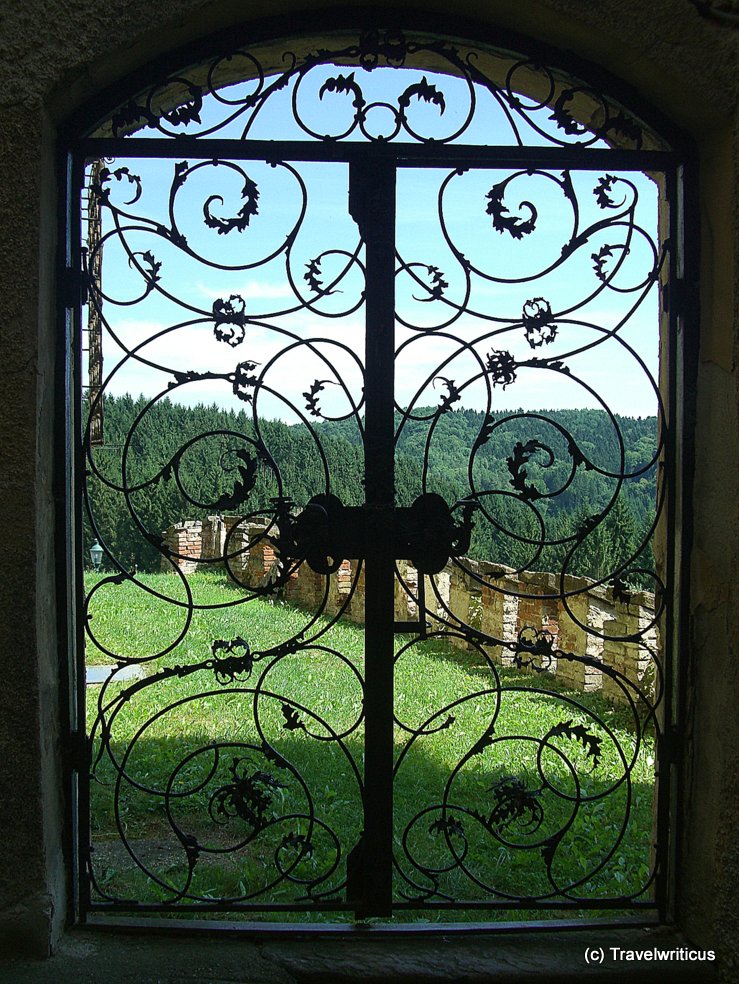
[[609, 369]]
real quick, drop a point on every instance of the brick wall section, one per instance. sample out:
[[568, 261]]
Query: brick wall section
[[306, 588], [406, 592], [590, 632], [573, 638], [184, 545], [355, 608], [631, 617], [231, 541], [539, 607], [464, 603], [261, 564]]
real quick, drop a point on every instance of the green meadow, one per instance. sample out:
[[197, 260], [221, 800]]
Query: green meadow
[[229, 773]]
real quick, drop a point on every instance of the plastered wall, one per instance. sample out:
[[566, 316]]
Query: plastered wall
[[55, 55]]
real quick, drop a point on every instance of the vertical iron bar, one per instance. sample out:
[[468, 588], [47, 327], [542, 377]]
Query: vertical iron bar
[[71, 552], [372, 205], [666, 766], [683, 315], [83, 776], [65, 543]]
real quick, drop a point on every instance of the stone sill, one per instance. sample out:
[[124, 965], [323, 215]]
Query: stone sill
[[181, 953], [555, 957]]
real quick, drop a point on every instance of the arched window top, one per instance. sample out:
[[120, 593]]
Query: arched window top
[[380, 87], [403, 312]]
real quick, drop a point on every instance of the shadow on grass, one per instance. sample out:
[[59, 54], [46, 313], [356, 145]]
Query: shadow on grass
[[506, 790], [240, 824]]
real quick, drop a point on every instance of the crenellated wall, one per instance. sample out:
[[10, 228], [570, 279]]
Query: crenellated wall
[[563, 623]]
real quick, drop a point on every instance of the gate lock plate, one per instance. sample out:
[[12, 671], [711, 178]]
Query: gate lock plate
[[327, 532]]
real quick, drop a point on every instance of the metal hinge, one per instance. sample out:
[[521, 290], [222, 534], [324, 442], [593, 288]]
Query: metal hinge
[[74, 288], [327, 532], [79, 751], [671, 746], [678, 295]]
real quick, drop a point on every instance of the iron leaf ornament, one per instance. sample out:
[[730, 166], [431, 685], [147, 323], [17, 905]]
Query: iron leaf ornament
[[244, 380], [522, 454], [343, 84], [150, 268], [311, 396], [564, 118], [298, 843], [314, 278], [229, 315], [293, 721], [502, 367], [603, 192], [451, 396], [188, 111], [241, 220], [119, 174], [538, 323], [248, 796], [451, 826], [514, 803], [600, 262], [232, 660], [620, 590], [423, 90], [488, 426], [247, 470], [517, 226], [437, 287], [578, 732]]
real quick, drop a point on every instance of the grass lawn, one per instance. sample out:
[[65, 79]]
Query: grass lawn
[[234, 773]]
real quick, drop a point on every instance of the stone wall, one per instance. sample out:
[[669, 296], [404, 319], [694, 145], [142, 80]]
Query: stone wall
[[185, 545], [582, 634]]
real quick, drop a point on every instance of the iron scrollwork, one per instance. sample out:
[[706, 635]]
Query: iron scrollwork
[[538, 327], [231, 285], [334, 96]]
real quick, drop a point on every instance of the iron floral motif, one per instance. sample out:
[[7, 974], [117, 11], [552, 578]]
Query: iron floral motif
[[248, 797], [341, 97]]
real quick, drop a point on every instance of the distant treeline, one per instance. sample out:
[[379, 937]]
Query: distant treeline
[[580, 481]]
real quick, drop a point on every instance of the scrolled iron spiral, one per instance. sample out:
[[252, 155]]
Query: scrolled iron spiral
[[507, 795]]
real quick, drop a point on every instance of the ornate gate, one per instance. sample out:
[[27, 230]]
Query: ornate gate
[[328, 272]]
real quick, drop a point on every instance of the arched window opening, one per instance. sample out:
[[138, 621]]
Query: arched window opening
[[377, 438]]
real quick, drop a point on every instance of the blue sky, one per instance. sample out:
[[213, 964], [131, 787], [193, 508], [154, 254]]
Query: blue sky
[[600, 331]]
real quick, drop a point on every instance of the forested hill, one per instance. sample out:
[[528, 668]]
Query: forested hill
[[557, 467]]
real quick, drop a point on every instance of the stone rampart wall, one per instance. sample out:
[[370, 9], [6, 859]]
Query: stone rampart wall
[[589, 639]]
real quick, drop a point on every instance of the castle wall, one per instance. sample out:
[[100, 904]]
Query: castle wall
[[477, 602]]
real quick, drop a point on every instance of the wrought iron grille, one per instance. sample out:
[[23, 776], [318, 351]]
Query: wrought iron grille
[[349, 247]]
